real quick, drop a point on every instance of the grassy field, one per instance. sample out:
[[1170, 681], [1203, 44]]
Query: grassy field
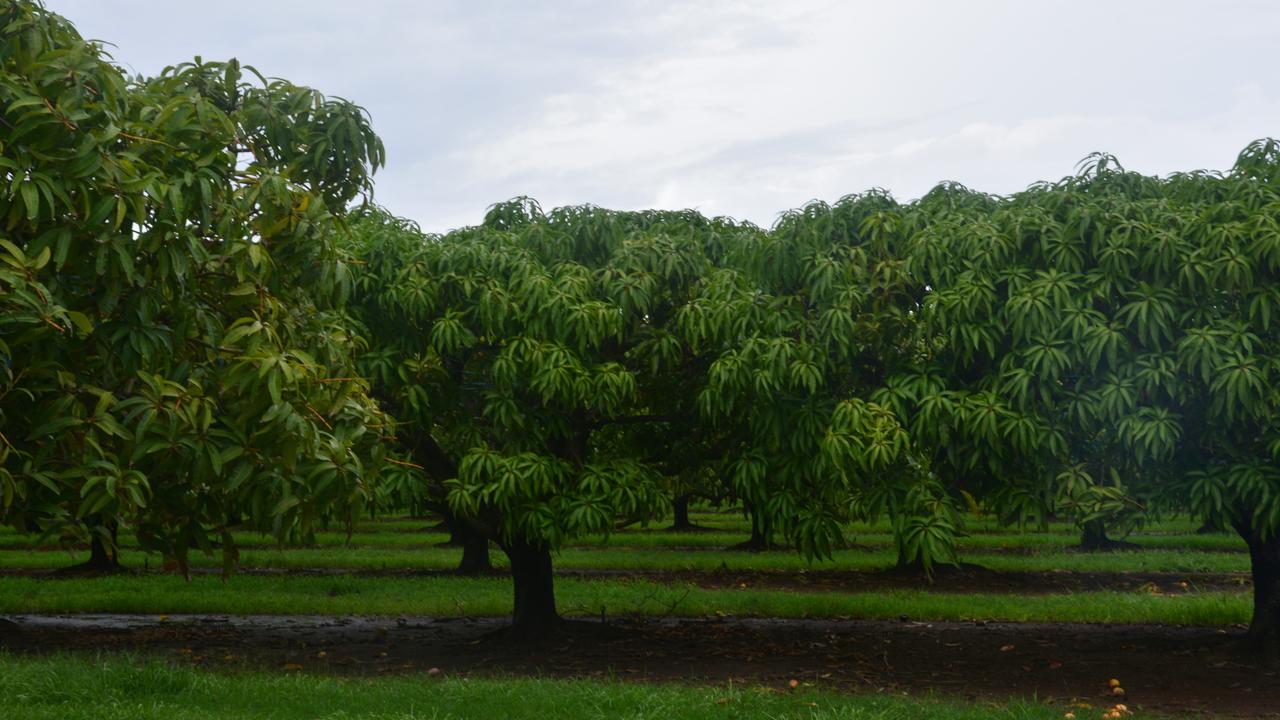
[[413, 544], [621, 558], [452, 596], [408, 544], [636, 572], [123, 688]]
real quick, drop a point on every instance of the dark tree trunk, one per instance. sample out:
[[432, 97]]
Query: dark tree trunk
[[535, 599], [475, 550], [474, 544], [681, 507], [906, 565], [455, 534], [1209, 527], [102, 558], [1093, 538], [1264, 630], [761, 534]]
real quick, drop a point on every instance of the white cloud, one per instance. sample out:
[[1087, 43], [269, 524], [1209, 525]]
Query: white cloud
[[744, 108]]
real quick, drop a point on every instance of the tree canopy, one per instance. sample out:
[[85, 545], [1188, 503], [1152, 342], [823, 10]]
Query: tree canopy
[[1107, 344], [172, 359], [1102, 346], [535, 359]]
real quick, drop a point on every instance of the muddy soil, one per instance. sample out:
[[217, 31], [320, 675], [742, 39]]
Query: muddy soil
[[1178, 670]]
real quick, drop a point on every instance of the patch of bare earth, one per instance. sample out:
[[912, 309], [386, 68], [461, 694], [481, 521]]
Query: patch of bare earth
[[1177, 670]]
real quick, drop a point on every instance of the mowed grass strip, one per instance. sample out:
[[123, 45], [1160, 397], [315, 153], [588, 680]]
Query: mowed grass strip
[[460, 597], [625, 559], [127, 688]]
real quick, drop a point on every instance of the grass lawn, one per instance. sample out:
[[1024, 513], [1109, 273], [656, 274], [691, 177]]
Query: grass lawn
[[124, 688], [413, 544], [616, 558], [725, 531], [450, 596], [406, 544]]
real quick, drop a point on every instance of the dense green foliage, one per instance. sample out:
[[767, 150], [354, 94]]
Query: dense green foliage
[[557, 371], [178, 355], [171, 359], [1111, 339], [832, 313], [1107, 342], [1100, 347], [510, 350]]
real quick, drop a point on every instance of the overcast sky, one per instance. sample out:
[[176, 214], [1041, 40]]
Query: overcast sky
[[740, 108]]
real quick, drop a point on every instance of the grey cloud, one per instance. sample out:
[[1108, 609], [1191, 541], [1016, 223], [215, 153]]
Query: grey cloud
[[743, 107]]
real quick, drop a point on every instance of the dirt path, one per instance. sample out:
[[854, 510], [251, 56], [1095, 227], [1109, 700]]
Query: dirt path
[[1173, 669]]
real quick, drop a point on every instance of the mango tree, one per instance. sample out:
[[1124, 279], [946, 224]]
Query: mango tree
[[985, 415], [1122, 331], [545, 362], [519, 355], [806, 322], [172, 359]]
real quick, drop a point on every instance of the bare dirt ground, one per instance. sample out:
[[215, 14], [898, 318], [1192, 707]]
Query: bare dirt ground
[[1177, 670]]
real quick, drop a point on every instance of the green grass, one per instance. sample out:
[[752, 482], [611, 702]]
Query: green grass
[[621, 558], [450, 596], [126, 688], [399, 543], [404, 544]]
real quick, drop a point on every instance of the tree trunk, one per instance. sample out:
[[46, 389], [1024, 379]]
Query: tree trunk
[[1093, 538], [1209, 527], [681, 507], [907, 565], [101, 557], [535, 599], [104, 558], [455, 534], [474, 544], [761, 534], [475, 550], [1264, 630]]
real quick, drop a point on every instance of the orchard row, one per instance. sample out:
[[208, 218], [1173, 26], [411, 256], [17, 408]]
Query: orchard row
[[205, 325]]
